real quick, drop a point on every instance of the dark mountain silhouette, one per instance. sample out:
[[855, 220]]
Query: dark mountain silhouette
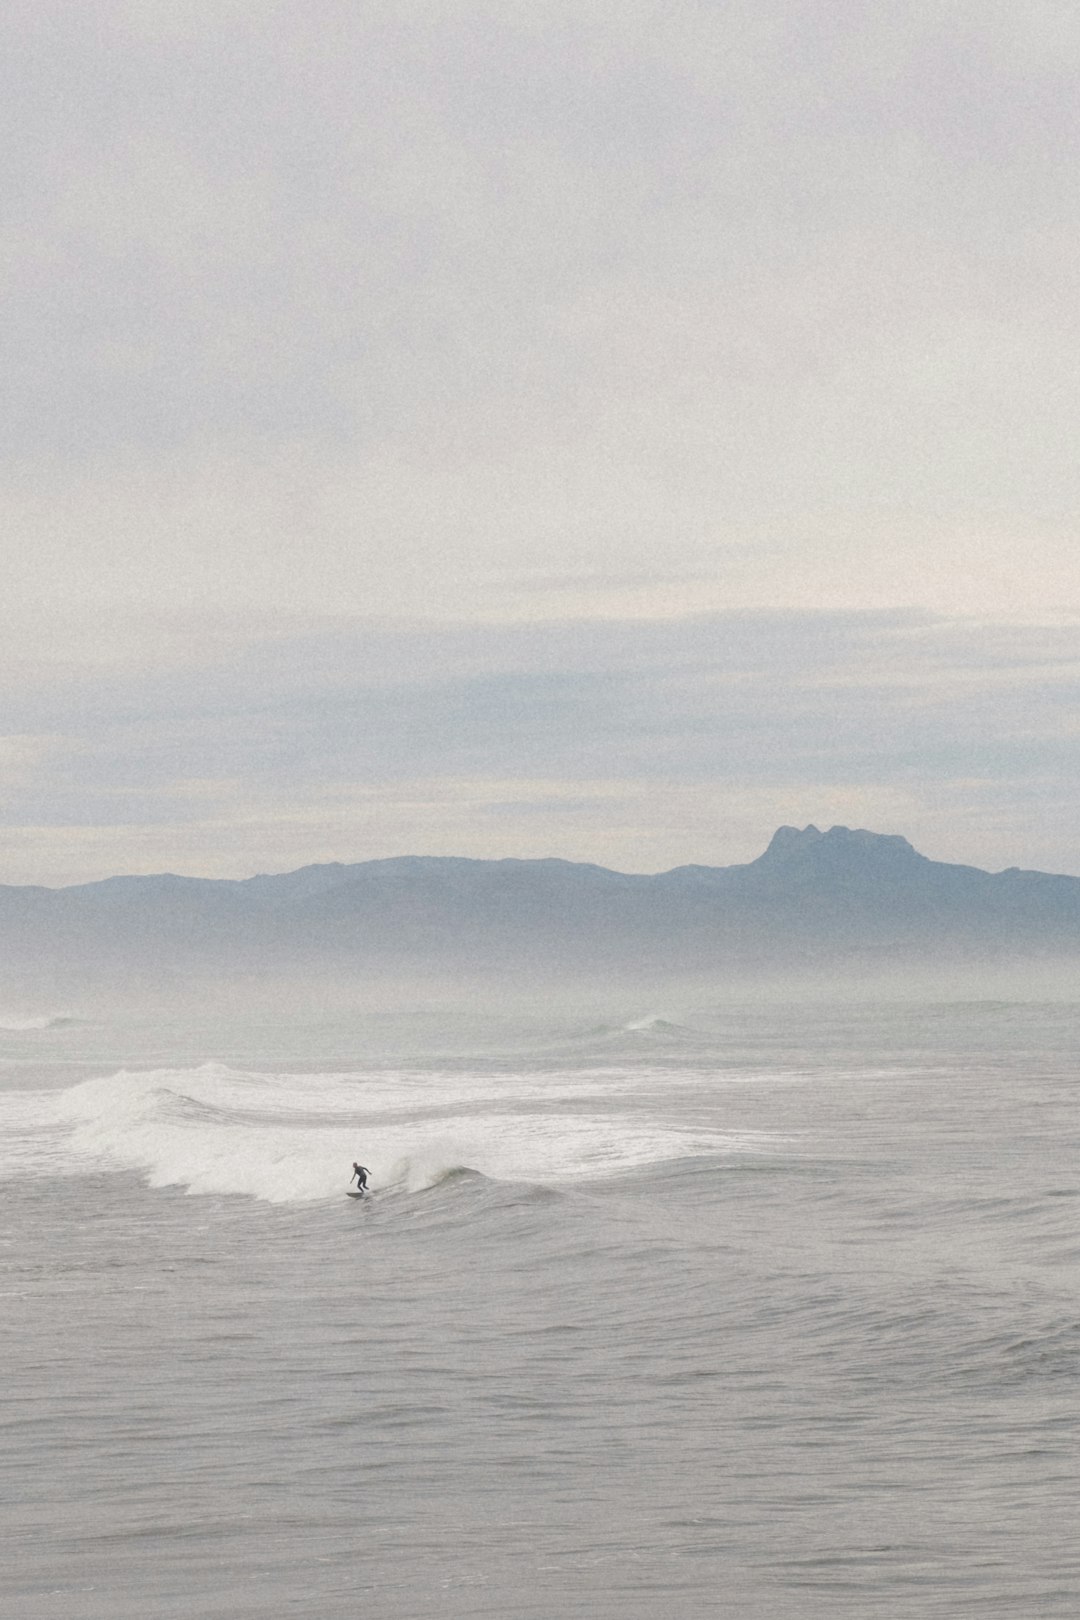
[[855, 901]]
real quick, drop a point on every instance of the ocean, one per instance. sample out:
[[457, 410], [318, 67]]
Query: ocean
[[754, 1311]]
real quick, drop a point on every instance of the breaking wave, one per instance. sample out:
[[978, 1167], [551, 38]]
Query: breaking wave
[[289, 1138]]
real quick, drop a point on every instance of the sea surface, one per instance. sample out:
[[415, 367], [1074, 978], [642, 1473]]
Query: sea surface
[[748, 1311]]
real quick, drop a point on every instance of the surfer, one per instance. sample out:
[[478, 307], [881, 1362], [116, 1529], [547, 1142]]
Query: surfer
[[361, 1176]]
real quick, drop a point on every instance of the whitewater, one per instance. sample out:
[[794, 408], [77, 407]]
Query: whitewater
[[747, 1310]]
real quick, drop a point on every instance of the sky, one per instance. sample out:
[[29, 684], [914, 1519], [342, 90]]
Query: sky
[[607, 429]]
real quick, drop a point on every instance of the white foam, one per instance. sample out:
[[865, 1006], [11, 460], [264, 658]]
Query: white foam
[[293, 1138]]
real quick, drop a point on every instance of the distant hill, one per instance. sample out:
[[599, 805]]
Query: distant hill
[[852, 901]]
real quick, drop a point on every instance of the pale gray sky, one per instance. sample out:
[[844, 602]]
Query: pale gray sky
[[595, 429]]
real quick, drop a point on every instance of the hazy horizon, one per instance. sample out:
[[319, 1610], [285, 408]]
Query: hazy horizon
[[821, 913]]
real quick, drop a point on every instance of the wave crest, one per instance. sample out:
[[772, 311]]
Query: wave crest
[[288, 1138]]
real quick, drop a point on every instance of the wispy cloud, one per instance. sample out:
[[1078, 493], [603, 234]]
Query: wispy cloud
[[445, 392], [394, 307], [601, 741]]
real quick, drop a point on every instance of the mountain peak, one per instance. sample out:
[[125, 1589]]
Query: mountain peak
[[786, 840], [839, 847]]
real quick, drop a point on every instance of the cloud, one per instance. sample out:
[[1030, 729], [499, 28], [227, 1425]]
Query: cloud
[[406, 305], [466, 392], [602, 741]]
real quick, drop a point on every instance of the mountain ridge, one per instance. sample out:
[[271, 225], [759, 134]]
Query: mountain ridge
[[786, 842], [814, 901]]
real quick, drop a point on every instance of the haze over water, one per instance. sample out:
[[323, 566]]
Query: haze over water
[[715, 1310]]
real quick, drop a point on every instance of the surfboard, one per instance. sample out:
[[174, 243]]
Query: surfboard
[[352, 1193]]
